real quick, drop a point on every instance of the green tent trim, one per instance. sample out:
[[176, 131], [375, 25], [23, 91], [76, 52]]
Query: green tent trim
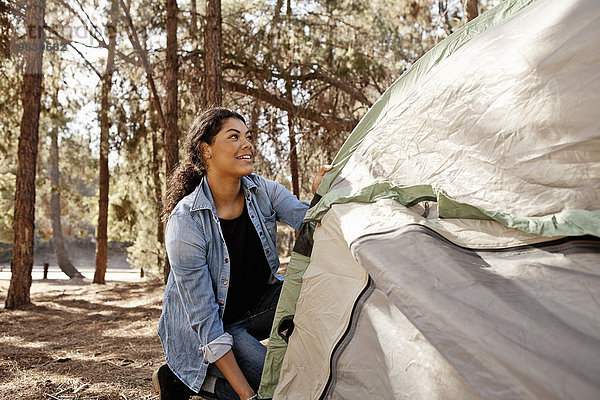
[[565, 223], [285, 308]]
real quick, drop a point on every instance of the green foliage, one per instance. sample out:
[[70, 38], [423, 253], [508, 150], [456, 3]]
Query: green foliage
[[77, 164], [7, 182], [333, 57], [134, 212], [10, 104], [319, 55]]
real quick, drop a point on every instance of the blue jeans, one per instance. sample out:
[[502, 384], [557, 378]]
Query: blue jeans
[[248, 351]]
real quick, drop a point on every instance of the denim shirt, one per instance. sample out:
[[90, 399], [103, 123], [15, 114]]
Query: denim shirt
[[196, 292]]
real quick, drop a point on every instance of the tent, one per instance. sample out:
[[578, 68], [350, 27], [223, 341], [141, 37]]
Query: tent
[[454, 251]]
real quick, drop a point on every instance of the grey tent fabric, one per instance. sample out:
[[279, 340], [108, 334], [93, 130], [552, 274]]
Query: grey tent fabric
[[442, 320], [412, 367], [518, 323]]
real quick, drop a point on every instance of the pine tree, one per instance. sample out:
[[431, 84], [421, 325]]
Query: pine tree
[[22, 257]]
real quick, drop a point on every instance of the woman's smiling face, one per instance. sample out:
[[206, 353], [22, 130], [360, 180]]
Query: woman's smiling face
[[232, 151]]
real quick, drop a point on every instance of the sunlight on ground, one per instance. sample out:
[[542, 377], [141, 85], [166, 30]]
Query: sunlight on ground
[[79, 340], [54, 273]]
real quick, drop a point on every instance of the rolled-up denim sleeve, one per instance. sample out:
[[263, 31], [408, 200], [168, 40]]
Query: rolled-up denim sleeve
[[217, 348], [186, 248], [287, 207]]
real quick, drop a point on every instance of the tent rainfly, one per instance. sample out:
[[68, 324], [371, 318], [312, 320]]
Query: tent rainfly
[[454, 250]]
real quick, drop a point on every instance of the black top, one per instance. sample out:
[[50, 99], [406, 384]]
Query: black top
[[249, 269]]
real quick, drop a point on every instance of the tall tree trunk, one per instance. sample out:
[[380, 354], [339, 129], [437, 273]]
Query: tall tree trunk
[[196, 84], [170, 133], [277, 14], [22, 258], [212, 59], [471, 9], [156, 164], [293, 144], [290, 115], [254, 116], [293, 156], [160, 231], [57, 236], [101, 235]]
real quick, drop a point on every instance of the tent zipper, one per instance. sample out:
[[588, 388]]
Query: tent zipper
[[347, 336]]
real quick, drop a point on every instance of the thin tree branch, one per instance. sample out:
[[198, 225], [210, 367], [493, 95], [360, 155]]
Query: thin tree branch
[[58, 35], [310, 114], [142, 54], [315, 75], [97, 32], [99, 39], [357, 94], [443, 10]]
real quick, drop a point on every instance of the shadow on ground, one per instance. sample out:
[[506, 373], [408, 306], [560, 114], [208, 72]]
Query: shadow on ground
[[81, 341]]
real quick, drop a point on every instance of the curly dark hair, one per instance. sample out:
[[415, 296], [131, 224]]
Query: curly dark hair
[[188, 175]]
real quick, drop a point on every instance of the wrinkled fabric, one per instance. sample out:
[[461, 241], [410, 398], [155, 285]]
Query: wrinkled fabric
[[441, 320], [518, 141], [515, 324], [498, 125], [333, 281]]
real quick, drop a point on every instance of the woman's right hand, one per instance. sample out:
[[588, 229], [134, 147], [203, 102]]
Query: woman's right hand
[[319, 177]]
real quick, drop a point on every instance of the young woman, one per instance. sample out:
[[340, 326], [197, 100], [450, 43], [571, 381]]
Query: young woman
[[222, 291]]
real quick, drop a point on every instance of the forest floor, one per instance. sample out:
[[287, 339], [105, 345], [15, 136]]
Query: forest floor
[[79, 340]]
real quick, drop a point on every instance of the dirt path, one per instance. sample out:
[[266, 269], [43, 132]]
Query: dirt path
[[81, 341]]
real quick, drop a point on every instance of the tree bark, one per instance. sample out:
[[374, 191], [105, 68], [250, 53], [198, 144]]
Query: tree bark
[[293, 156], [277, 13], [24, 223], [170, 133], [212, 60], [160, 231], [101, 235], [57, 236], [293, 144], [471, 9]]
